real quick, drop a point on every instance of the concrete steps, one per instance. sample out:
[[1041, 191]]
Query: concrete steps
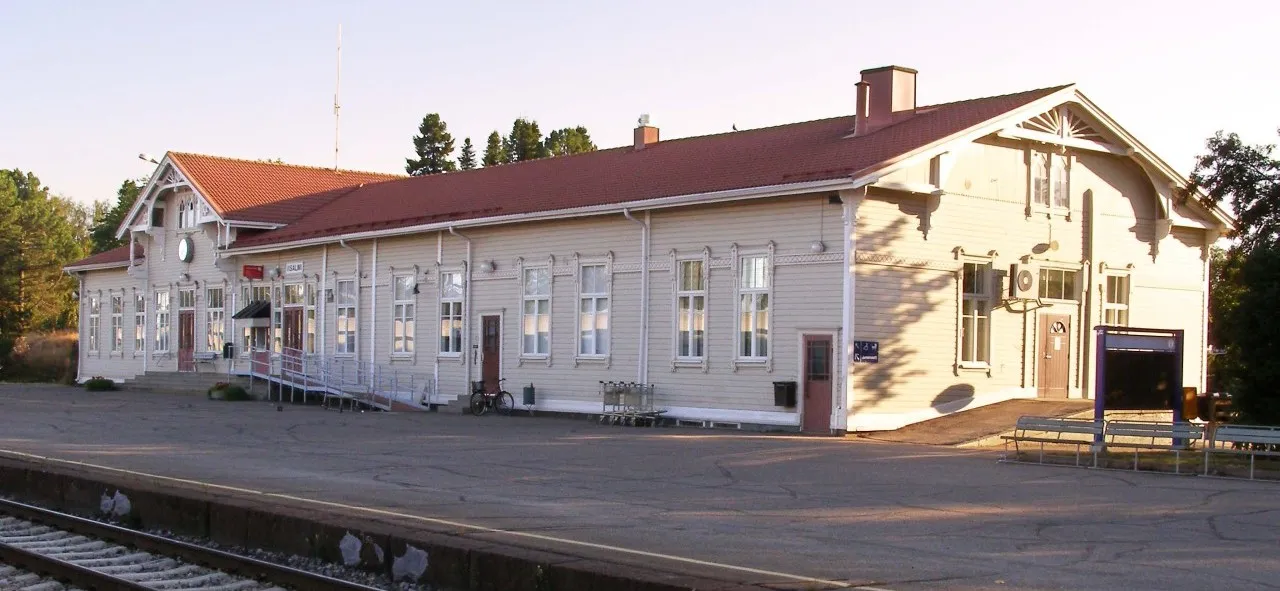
[[179, 382]]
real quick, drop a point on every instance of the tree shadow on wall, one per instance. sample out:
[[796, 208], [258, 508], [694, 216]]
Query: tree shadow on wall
[[895, 295]]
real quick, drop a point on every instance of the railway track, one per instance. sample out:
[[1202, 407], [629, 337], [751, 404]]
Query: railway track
[[43, 550]]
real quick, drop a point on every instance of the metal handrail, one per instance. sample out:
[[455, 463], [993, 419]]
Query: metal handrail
[[365, 382]]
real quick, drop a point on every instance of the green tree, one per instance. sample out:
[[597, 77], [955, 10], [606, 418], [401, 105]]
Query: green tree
[[102, 236], [433, 146], [495, 152], [467, 158], [525, 141], [1242, 318], [570, 140], [39, 234]]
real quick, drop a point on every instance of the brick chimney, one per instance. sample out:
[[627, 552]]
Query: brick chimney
[[645, 134], [885, 95]]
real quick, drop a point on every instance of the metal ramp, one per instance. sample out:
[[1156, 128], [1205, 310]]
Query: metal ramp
[[340, 382]]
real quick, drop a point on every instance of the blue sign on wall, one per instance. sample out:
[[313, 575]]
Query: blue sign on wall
[[866, 351]]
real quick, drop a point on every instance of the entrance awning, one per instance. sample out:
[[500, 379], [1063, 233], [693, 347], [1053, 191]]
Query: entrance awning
[[255, 309]]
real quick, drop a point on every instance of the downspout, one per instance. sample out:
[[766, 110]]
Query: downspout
[[642, 372], [343, 244], [322, 319], [466, 311], [373, 307], [1091, 299], [435, 371], [850, 202], [81, 353]]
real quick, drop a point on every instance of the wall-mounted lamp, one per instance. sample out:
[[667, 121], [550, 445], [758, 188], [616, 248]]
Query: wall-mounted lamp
[[184, 277], [817, 246], [488, 267]]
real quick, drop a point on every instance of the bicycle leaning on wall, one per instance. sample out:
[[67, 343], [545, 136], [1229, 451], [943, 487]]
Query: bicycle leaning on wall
[[484, 399]]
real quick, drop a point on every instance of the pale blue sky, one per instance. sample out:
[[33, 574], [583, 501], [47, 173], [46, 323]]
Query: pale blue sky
[[90, 85]]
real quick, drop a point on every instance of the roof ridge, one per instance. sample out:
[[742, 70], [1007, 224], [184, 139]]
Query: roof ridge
[[1052, 89], [390, 176]]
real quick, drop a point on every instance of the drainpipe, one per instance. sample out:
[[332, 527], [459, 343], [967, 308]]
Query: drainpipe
[[373, 307], [81, 353], [642, 372], [466, 311], [321, 308], [435, 371], [343, 244], [851, 201]]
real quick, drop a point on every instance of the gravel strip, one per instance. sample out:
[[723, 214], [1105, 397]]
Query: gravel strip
[[315, 565]]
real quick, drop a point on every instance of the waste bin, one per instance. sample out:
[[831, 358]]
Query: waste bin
[[228, 350], [784, 393], [528, 395]]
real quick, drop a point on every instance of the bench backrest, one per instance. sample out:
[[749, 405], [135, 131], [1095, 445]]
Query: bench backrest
[[1059, 425], [1247, 434], [1154, 430]]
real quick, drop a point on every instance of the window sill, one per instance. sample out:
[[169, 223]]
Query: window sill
[[449, 355], [1049, 212], [344, 355], [535, 356], [752, 360], [1052, 301], [690, 360], [974, 366], [592, 358], [403, 356]]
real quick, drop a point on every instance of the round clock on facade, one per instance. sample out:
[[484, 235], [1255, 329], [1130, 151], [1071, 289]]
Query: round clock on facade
[[185, 249]]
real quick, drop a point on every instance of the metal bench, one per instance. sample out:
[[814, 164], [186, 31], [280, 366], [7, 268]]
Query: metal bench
[[1140, 435], [1243, 439], [204, 357], [1055, 430]]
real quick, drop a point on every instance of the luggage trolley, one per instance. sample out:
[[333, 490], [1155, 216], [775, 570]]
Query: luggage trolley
[[628, 403]]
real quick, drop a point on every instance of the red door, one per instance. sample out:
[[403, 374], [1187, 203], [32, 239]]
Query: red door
[[817, 384], [186, 340], [491, 366], [292, 359]]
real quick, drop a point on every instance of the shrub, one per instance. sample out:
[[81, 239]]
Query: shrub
[[99, 384], [225, 391], [42, 357]]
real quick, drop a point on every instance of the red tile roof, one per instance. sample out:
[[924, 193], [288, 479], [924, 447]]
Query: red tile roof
[[250, 190], [118, 256], [799, 152]]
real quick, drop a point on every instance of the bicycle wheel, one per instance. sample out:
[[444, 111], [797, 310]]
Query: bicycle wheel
[[505, 402], [478, 404]]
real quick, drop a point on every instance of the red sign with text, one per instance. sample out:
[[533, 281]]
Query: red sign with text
[[252, 271]]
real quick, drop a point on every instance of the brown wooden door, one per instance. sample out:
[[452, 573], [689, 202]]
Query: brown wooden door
[[186, 340], [1055, 355], [817, 384], [292, 339], [491, 351]]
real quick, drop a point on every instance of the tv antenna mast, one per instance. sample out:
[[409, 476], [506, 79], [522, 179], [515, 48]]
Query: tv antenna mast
[[337, 107]]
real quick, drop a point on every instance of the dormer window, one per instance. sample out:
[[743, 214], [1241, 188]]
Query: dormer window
[[1050, 182], [187, 212]]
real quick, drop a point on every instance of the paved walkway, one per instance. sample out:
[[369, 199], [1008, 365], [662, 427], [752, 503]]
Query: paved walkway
[[893, 516]]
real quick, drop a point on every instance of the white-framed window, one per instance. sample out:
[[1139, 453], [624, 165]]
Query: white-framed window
[[536, 313], [345, 333], [117, 323], [754, 278], [1115, 305], [214, 319], [186, 299], [975, 315], [139, 323], [162, 322], [277, 320], [452, 294], [593, 311], [95, 312], [1050, 181], [187, 212], [402, 314], [310, 328], [691, 311], [1058, 284]]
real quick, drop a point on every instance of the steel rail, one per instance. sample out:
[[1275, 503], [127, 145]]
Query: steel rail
[[226, 562]]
